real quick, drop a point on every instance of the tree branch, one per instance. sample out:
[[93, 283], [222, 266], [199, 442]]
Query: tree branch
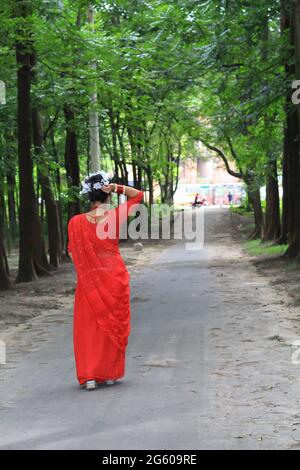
[[234, 154], [224, 158], [51, 123]]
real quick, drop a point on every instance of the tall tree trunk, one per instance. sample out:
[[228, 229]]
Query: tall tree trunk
[[272, 217], [177, 162], [255, 202], [27, 217], [136, 158], [150, 184], [114, 153], [3, 214], [54, 238], [3, 227], [287, 148], [283, 239], [293, 250], [4, 278], [58, 187], [11, 203], [41, 262], [94, 146], [4, 270], [293, 151], [72, 162]]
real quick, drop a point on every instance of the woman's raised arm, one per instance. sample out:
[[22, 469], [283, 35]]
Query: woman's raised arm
[[128, 191], [122, 211]]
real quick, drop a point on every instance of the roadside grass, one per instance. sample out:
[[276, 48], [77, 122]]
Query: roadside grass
[[247, 229], [257, 248], [241, 210]]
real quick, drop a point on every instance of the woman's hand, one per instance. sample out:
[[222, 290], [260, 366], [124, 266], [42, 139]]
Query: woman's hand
[[108, 188]]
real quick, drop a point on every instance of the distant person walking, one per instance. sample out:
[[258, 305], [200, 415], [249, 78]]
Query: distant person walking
[[102, 297], [230, 198]]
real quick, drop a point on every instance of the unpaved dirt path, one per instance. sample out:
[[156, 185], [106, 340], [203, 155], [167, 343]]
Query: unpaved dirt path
[[209, 363]]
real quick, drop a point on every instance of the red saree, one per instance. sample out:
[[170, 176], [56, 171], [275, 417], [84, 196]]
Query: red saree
[[101, 325]]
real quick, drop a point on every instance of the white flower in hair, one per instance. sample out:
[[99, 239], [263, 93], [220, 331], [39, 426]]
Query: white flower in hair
[[87, 187]]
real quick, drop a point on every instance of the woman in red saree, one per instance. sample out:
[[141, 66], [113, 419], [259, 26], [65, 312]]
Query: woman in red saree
[[101, 324]]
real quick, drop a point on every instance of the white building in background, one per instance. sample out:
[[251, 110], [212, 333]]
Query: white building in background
[[207, 176]]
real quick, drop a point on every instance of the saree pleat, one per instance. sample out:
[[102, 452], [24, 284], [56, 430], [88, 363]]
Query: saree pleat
[[102, 299]]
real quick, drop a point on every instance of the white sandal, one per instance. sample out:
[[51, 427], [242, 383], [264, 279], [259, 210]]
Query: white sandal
[[90, 385]]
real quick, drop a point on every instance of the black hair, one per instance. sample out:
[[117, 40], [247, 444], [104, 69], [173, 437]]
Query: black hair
[[96, 194]]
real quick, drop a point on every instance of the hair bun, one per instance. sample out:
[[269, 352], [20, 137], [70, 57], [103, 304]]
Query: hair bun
[[95, 181]]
